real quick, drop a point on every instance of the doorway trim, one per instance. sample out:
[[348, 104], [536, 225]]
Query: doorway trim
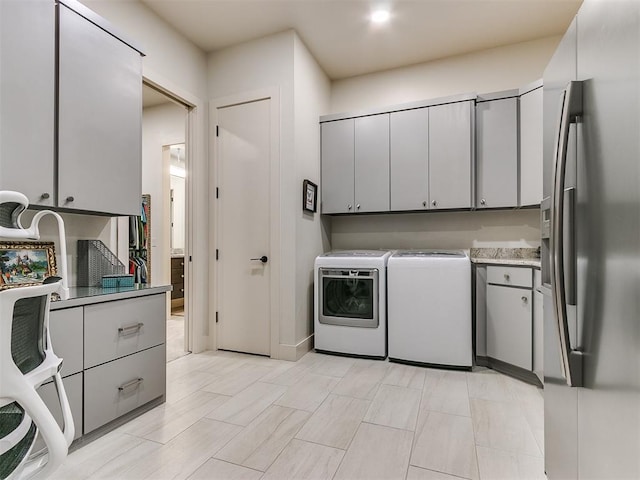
[[195, 275], [273, 94]]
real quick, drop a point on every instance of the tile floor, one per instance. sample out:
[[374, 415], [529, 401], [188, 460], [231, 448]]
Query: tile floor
[[234, 416]]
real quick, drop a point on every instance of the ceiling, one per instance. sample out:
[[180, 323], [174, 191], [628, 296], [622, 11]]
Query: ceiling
[[345, 43]]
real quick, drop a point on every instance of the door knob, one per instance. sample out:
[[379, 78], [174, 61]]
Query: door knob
[[263, 259]]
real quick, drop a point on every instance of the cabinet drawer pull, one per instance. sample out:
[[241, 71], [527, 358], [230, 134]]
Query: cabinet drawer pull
[[44, 196], [181, 276], [507, 277], [424, 204], [122, 331], [524, 299], [133, 383], [70, 199], [434, 203]]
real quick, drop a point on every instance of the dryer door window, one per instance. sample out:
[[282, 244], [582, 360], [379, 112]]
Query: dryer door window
[[349, 297]]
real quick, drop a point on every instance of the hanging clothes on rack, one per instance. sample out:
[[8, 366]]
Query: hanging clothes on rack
[[139, 242]]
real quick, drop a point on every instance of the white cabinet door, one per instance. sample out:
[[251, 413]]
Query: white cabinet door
[[27, 98], [509, 314], [531, 147], [337, 166], [409, 159], [371, 191], [497, 153], [100, 119], [450, 155]]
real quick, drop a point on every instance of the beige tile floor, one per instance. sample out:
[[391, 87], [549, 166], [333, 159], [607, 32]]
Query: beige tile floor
[[234, 416]]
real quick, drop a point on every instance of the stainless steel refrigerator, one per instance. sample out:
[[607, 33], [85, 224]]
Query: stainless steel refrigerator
[[591, 246]]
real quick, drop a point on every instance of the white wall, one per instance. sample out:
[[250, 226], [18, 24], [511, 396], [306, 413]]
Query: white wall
[[311, 99], [161, 126], [459, 230], [485, 71]]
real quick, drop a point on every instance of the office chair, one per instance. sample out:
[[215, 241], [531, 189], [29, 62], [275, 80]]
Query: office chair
[[27, 360]]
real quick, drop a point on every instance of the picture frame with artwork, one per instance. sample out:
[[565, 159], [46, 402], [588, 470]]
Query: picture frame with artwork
[[309, 196], [24, 264]]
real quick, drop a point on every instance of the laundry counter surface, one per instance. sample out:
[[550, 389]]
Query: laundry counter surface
[[79, 296], [525, 257]]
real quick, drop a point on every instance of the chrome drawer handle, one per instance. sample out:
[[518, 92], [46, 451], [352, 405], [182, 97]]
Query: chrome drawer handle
[[524, 299], [507, 277], [132, 383], [122, 331]]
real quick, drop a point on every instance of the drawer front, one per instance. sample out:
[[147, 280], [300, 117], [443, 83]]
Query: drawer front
[[177, 275], [178, 291], [73, 389], [115, 329], [65, 328], [177, 262], [117, 387], [510, 276]]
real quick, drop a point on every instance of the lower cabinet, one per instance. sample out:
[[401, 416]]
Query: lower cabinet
[[113, 358], [508, 321], [117, 387], [509, 325]]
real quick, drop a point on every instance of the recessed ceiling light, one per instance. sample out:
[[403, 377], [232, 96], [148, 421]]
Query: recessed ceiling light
[[380, 16]]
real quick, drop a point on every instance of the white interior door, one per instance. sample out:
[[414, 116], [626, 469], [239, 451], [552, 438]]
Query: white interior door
[[243, 236]]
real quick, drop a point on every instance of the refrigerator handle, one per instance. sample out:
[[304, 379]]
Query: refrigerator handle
[[571, 108]]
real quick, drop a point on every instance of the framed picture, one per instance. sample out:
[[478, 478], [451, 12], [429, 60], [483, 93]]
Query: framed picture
[[26, 263], [309, 196]]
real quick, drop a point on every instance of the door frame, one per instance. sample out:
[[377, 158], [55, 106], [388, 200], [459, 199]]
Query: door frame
[[195, 299], [273, 94]]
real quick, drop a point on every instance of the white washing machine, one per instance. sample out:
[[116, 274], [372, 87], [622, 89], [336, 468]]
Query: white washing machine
[[350, 314], [429, 301]]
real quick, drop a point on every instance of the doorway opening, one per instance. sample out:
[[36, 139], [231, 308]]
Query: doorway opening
[[165, 172]]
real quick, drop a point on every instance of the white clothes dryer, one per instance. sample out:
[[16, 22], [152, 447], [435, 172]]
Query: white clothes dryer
[[350, 316], [429, 301]]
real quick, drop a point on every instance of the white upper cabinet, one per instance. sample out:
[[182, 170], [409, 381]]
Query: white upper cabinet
[[355, 165], [450, 155], [531, 146], [27, 98], [99, 119], [371, 152], [497, 151], [337, 144], [409, 145]]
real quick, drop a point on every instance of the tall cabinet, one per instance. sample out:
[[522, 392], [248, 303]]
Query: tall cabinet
[[27, 98], [68, 81]]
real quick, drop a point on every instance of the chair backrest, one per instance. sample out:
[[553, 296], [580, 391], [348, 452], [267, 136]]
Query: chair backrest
[[12, 204]]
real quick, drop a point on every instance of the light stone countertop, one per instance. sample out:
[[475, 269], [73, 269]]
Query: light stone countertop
[[525, 257]]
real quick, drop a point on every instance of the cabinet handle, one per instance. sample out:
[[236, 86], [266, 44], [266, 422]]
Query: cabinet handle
[[132, 383], [483, 202], [70, 199], [122, 331], [358, 207], [182, 290], [182, 264], [507, 277], [524, 299], [181, 276], [424, 204], [348, 207], [44, 196], [434, 203]]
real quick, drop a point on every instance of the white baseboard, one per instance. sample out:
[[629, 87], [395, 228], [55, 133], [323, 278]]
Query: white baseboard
[[293, 353]]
